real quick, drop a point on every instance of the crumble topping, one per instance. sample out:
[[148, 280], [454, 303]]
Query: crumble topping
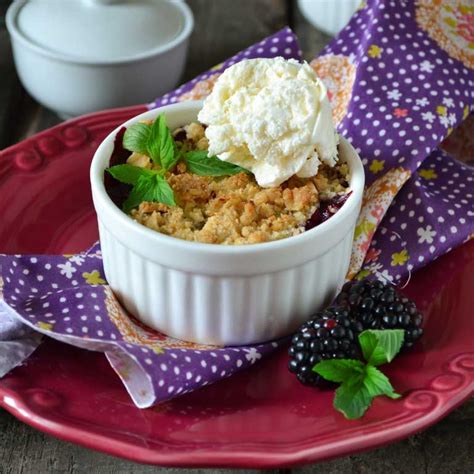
[[235, 209]]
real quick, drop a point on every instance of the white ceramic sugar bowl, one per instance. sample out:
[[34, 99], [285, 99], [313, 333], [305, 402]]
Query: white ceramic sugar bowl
[[79, 56]]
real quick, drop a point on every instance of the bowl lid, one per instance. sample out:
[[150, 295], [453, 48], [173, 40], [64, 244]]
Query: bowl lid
[[101, 30]]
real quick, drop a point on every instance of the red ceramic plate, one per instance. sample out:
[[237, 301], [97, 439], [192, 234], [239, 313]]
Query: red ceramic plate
[[260, 418]]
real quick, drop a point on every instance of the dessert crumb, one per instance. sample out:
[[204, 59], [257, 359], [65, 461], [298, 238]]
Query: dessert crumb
[[234, 209]]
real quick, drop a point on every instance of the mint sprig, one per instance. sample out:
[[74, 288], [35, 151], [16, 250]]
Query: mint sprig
[[161, 146], [362, 382], [156, 141], [381, 346]]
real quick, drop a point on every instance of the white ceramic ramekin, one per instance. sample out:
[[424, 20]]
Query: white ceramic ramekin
[[217, 294]]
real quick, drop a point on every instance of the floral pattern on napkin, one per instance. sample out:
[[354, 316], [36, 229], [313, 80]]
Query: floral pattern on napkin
[[411, 89], [338, 72], [451, 24]]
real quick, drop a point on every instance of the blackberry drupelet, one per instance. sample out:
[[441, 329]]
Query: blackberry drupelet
[[379, 306], [330, 334]]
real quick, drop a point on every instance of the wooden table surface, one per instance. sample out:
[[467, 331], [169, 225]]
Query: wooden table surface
[[222, 28]]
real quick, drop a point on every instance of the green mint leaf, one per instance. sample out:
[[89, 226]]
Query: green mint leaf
[[339, 370], [161, 147], [199, 163], [162, 191], [128, 174], [136, 138], [178, 155], [361, 383], [139, 193], [352, 399], [355, 395], [381, 346], [152, 188], [377, 383]]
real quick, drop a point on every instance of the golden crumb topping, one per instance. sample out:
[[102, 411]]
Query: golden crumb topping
[[235, 209]]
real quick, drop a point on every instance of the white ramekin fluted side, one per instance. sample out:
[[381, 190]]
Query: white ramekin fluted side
[[224, 310]]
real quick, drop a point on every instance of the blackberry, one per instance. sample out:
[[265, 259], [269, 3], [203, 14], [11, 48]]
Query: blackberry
[[330, 334], [377, 305]]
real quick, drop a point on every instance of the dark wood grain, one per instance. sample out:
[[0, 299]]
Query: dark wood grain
[[29, 451], [311, 40], [223, 27], [20, 115]]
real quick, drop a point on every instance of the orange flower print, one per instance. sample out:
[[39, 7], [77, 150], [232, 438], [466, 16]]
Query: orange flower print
[[364, 246], [377, 198], [451, 24], [201, 89], [400, 112], [338, 74], [134, 331], [377, 212], [372, 255], [465, 23]]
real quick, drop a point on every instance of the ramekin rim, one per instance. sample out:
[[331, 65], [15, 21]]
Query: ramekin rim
[[99, 191]]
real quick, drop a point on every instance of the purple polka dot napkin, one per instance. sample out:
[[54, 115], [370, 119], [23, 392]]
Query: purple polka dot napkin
[[401, 78], [66, 297]]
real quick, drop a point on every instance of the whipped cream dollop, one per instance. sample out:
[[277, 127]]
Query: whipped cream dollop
[[272, 117]]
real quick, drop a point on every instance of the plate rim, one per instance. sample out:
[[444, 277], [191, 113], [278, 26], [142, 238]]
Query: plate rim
[[237, 457]]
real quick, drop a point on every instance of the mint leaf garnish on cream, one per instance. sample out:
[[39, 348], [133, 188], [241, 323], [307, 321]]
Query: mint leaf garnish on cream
[[199, 163]]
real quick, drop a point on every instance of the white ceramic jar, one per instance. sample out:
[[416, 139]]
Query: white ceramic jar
[[79, 56], [218, 294]]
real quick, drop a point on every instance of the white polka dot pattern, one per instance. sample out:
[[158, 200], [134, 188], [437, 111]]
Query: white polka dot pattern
[[408, 96]]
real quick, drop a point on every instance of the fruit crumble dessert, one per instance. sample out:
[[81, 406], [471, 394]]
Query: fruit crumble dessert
[[231, 181]]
